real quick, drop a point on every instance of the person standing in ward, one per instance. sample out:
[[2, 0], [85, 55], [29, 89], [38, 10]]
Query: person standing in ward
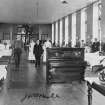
[[37, 51], [31, 56], [17, 46], [46, 45]]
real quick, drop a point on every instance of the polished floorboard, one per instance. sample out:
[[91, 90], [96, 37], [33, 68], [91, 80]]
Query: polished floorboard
[[26, 85]]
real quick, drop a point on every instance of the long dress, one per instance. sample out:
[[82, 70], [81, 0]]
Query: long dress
[[31, 56], [46, 45]]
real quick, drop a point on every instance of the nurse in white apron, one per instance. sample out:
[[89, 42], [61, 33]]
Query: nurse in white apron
[[47, 44], [31, 56]]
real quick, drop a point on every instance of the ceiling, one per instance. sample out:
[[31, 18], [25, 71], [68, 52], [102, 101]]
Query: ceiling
[[37, 11]]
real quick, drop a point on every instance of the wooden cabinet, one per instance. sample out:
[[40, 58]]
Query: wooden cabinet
[[65, 64]]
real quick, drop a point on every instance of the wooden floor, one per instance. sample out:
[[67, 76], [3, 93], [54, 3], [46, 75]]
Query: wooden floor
[[27, 86]]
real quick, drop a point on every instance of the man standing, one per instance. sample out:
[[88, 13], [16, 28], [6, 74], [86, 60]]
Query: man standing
[[18, 45], [37, 51]]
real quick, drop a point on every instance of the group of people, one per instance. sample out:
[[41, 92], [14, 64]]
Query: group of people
[[92, 46], [38, 50], [35, 52], [89, 46]]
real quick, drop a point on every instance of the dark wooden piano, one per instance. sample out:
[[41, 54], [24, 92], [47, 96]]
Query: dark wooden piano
[[65, 65]]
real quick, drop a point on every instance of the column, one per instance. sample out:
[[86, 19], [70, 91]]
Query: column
[[89, 35], [78, 25], [66, 30], [63, 35], [70, 28], [58, 32]]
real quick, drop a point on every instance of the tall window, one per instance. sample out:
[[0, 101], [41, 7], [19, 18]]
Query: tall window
[[73, 29], [61, 32], [95, 21], [52, 33], [83, 25], [66, 30], [56, 35], [99, 22]]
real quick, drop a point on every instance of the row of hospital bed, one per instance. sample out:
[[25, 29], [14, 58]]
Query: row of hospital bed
[[5, 55]]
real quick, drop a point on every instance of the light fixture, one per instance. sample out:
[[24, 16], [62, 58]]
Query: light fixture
[[64, 1]]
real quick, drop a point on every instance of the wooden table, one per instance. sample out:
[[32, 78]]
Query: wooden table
[[94, 83]]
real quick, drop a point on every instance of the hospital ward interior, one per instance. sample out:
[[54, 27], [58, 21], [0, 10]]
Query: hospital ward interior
[[52, 52]]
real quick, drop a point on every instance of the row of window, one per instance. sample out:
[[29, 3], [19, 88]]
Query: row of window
[[81, 25]]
